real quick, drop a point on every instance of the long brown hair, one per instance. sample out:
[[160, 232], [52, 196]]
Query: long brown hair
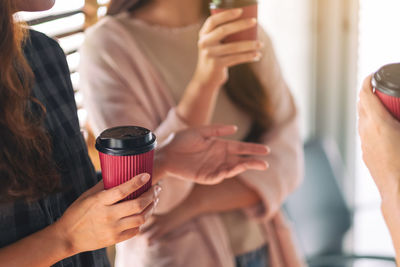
[[243, 87], [27, 170]]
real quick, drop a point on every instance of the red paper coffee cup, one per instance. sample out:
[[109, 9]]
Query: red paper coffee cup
[[250, 10], [386, 82], [124, 153]]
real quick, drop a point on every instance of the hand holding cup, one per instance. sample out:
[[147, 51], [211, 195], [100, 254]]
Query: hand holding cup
[[98, 218], [215, 55]]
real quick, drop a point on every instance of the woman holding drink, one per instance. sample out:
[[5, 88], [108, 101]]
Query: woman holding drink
[[167, 65], [53, 209]]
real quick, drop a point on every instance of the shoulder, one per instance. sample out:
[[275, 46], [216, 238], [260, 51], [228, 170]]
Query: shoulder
[[49, 66], [40, 42], [39, 48], [109, 30], [110, 40]]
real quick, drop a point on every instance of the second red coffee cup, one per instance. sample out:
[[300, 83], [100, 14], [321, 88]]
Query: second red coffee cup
[[124, 153], [386, 82], [250, 10]]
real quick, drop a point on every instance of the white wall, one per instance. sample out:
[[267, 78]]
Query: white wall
[[289, 24]]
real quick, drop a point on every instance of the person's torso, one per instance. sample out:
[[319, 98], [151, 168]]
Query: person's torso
[[173, 52], [53, 88]]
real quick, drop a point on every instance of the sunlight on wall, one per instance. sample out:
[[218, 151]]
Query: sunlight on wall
[[288, 22]]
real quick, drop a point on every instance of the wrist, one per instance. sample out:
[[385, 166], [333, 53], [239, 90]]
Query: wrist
[[189, 209], [198, 202], [204, 85], [61, 240], [390, 205], [390, 191]]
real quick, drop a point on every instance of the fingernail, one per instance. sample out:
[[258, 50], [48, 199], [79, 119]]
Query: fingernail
[[238, 11], [145, 177], [267, 165], [257, 57], [157, 189], [253, 21], [268, 149], [260, 45], [148, 215]]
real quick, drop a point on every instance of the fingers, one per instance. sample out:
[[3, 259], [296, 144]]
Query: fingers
[[220, 18], [94, 190], [136, 221], [220, 33], [241, 148], [122, 191], [371, 105], [367, 85], [217, 130], [245, 164], [128, 234], [136, 206], [234, 48], [230, 61]]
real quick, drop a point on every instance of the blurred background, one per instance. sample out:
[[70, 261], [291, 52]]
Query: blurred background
[[326, 48]]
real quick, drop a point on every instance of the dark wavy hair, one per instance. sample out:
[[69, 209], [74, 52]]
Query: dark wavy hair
[[243, 86], [27, 170]]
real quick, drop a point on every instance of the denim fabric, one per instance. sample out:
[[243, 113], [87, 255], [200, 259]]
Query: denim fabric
[[256, 258]]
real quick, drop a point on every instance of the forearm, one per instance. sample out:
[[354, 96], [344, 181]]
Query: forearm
[[43, 248], [197, 104], [391, 214], [226, 196]]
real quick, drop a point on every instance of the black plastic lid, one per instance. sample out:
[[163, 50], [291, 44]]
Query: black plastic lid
[[387, 80], [126, 141], [231, 3]]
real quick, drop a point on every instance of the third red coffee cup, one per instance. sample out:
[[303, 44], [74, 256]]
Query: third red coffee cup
[[386, 82], [250, 10], [124, 153]]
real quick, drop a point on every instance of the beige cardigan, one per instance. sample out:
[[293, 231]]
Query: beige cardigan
[[121, 87]]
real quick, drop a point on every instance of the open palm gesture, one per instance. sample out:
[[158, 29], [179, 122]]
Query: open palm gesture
[[198, 154]]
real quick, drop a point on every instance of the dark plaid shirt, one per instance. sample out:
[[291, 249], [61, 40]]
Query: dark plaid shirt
[[53, 89]]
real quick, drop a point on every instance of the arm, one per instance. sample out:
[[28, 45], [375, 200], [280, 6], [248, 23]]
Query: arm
[[214, 58], [95, 220], [380, 135], [43, 248], [391, 214], [229, 195]]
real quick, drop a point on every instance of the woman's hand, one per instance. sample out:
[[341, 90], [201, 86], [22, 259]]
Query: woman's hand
[[161, 225], [380, 138], [216, 57], [98, 219], [198, 155]]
